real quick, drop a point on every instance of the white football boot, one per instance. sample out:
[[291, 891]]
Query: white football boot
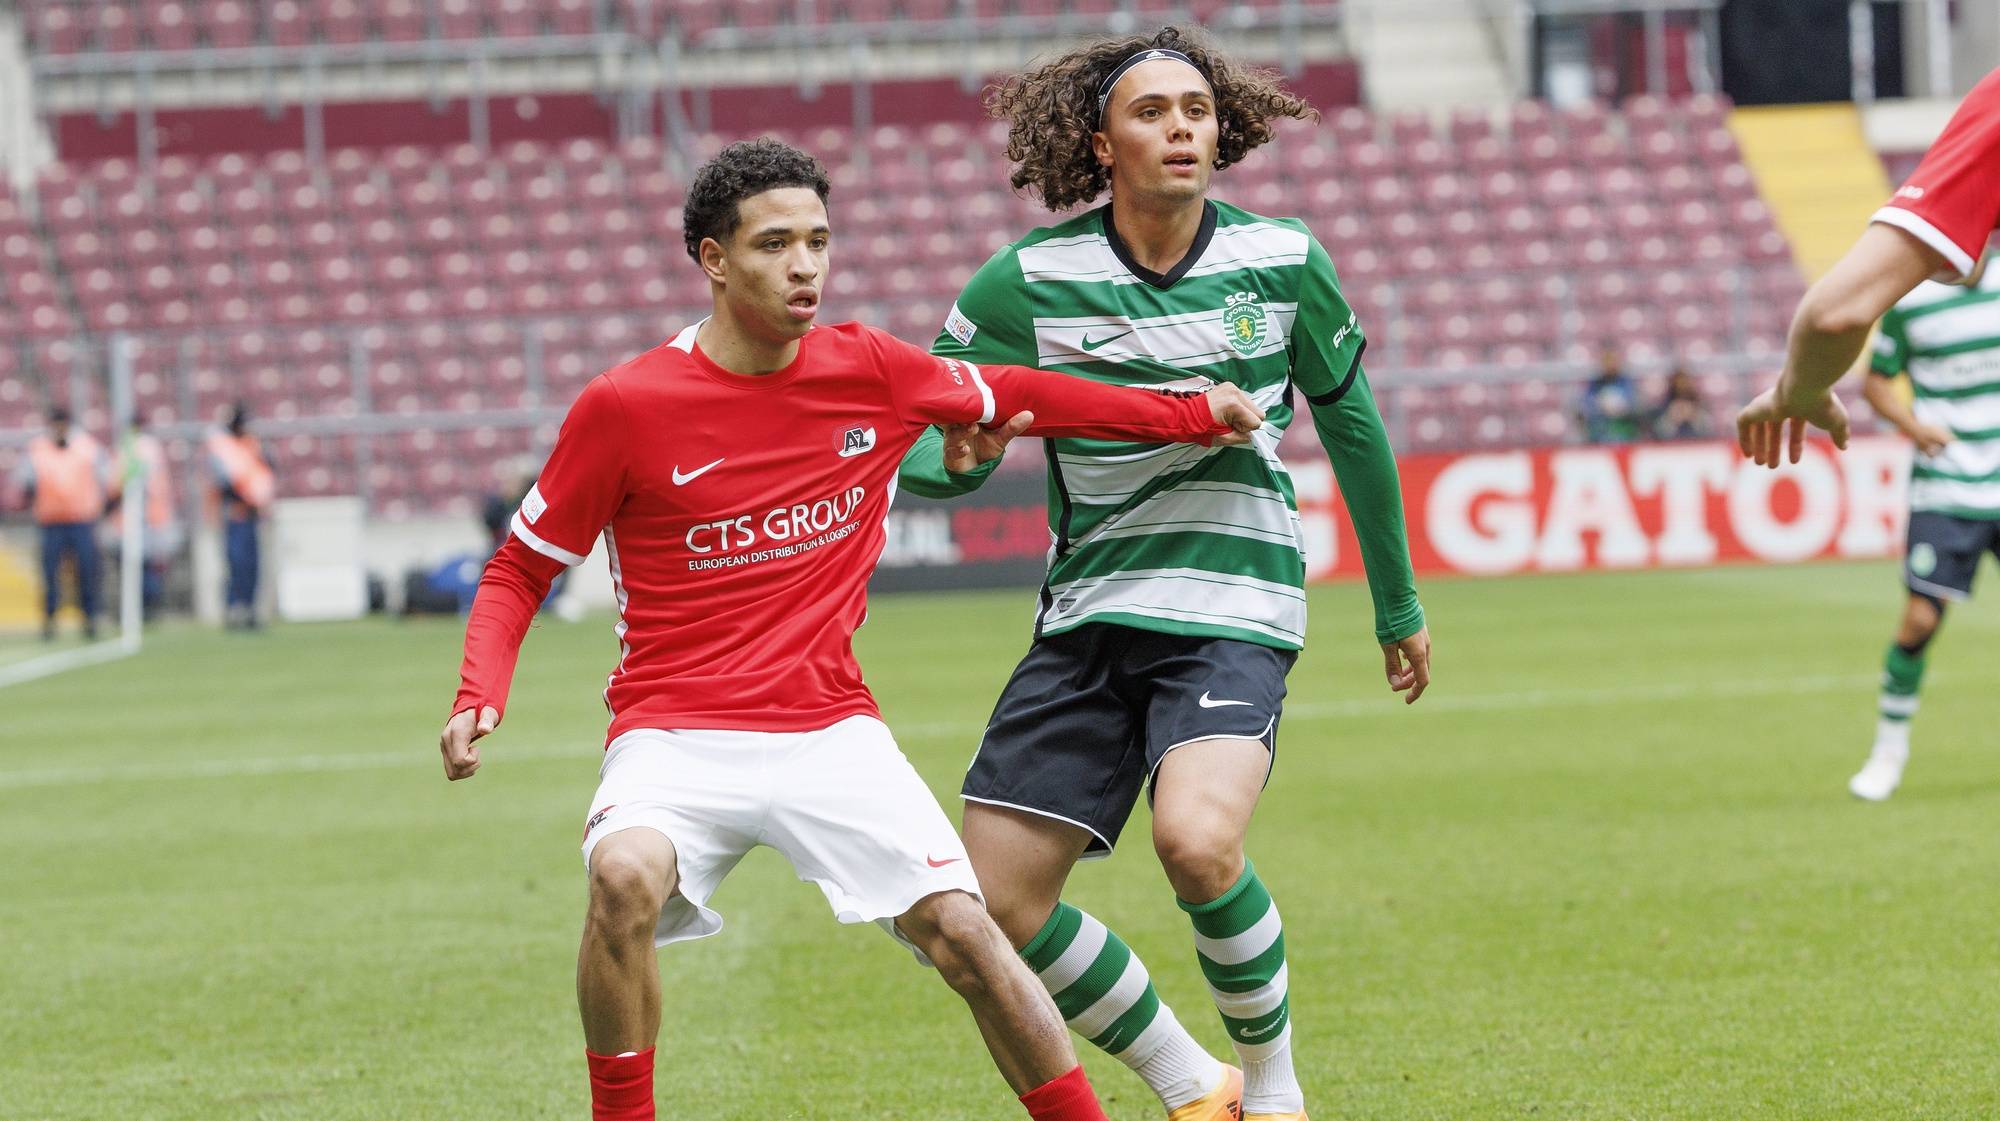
[[1878, 778]]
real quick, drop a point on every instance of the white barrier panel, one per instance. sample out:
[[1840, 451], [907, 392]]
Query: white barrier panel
[[317, 553]]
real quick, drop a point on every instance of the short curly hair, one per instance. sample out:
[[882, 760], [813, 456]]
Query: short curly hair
[[740, 171], [1054, 112]]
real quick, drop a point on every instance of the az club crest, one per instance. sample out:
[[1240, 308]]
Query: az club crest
[[1243, 323], [854, 441]]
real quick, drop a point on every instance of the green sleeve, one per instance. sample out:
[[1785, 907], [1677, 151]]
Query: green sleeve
[[1891, 355], [991, 322], [1326, 348], [923, 473]]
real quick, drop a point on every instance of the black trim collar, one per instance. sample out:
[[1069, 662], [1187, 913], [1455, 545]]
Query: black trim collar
[[1164, 280]]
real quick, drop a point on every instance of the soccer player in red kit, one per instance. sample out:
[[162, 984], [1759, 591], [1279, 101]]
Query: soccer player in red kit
[[1935, 226], [740, 475]]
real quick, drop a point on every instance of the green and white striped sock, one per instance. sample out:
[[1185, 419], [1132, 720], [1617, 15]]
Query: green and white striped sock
[[1902, 679], [1241, 946], [1105, 995]]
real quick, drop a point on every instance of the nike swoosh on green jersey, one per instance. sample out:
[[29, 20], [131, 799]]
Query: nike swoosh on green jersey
[[1089, 345]]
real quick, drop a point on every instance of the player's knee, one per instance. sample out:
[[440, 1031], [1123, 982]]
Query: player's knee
[[1200, 863], [1920, 622], [959, 937], [628, 886]]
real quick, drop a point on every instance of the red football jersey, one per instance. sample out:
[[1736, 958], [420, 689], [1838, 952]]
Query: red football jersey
[[743, 516], [1952, 201]]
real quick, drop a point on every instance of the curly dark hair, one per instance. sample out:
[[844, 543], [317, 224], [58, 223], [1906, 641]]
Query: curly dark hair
[[1054, 112], [744, 169]]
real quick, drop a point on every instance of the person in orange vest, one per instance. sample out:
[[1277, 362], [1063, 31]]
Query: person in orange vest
[[143, 453], [244, 489], [66, 479]]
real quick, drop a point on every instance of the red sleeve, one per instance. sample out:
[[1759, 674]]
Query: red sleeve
[[929, 389], [516, 581], [575, 496], [583, 482], [1952, 201]]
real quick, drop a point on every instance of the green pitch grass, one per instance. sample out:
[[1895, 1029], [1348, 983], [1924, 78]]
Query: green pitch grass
[[1607, 869]]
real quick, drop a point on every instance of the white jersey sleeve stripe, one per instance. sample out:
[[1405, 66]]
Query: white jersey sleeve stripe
[[531, 540], [986, 405], [1920, 228]]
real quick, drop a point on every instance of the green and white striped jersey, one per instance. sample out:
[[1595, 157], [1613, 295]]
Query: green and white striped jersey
[[1176, 538], [1947, 338]]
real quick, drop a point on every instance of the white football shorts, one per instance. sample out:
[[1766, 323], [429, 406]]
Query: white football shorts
[[842, 804]]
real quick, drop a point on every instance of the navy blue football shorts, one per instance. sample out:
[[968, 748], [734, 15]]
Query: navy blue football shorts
[[1944, 551], [1089, 714]]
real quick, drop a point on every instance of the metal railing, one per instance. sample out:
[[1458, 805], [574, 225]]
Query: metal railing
[[523, 371]]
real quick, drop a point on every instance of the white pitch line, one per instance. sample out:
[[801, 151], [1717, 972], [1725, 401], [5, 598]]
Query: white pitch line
[[502, 752], [48, 665]]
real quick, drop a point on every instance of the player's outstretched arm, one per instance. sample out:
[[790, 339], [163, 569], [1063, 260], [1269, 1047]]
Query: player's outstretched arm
[[931, 389], [1062, 405], [1827, 336]]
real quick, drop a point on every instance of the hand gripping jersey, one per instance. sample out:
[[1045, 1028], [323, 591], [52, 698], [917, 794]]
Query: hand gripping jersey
[[743, 516], [1947, 338], [1952, 201], [1186, 540]]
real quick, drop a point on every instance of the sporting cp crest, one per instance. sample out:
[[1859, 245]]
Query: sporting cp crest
[[1243, 323]]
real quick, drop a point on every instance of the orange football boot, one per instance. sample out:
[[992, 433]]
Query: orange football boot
[[1224, 1103]]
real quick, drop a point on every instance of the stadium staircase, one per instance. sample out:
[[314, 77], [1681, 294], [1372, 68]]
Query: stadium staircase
[[1437, 53], [24, 142], [20, 603], [1817, 173]]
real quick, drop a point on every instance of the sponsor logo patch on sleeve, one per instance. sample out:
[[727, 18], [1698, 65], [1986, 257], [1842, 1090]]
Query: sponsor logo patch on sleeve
[[959, 327], [533, 505]]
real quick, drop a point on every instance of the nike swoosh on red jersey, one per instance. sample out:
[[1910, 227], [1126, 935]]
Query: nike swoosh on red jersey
[[936, 863], [684, 479]]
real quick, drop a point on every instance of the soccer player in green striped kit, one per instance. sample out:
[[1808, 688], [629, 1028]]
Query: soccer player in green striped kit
[[1174, 604], [1946, 338]]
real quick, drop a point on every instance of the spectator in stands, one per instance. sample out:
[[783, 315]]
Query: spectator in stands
[[66, 476], [244, 489], [1609, 408], [1681, 413]]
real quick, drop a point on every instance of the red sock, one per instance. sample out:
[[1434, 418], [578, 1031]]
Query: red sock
[[1068, 1098], [621, 1086]]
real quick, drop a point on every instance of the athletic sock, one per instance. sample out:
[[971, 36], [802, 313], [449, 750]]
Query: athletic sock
[[1105, 995], [1068, 1098], [1241, 946], [1902, 678], [621, 1086]]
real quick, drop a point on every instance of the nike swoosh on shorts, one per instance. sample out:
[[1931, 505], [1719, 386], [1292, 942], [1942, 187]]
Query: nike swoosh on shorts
[[1208, 702]]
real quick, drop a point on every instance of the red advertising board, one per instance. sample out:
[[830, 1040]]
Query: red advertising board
[[1635, 506], [1492, 513]]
